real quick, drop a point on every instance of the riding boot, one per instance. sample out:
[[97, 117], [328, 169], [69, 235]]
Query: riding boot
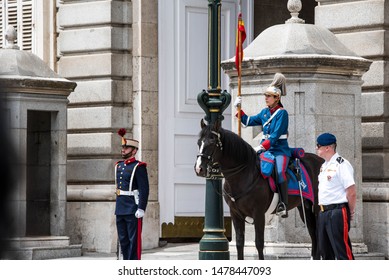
[[282, 207]]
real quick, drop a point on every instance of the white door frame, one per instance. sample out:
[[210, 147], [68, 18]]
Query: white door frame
[[169, 14]]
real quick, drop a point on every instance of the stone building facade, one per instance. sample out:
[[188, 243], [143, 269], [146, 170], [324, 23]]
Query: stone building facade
[[113, 51]]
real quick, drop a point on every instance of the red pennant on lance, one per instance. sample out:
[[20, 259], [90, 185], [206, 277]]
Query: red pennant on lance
[[241, 30]]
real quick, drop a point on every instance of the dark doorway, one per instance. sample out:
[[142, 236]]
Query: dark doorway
[[38, 173], [271, 12]]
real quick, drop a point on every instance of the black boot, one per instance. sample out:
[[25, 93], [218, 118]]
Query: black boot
[[282, 207]]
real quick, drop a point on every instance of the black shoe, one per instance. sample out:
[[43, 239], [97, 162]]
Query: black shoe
[[281, 210]]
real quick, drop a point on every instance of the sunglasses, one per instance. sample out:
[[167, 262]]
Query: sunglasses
[[319, 146]]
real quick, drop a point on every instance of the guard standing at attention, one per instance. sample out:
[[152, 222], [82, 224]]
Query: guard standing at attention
[[132, 192], [337, 201]]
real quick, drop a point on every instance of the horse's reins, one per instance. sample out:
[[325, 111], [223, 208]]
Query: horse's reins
[[234, 199]]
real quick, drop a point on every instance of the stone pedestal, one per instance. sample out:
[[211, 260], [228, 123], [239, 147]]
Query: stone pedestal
[[323, 95], [361, 26]]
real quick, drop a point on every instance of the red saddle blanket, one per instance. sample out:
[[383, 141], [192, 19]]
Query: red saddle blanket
[[293, 184]]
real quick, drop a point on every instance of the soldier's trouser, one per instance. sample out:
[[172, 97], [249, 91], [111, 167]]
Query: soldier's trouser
[[281, 166], [127, 227], [333, 228]]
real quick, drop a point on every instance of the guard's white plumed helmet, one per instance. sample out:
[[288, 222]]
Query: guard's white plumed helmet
[[273, 91]]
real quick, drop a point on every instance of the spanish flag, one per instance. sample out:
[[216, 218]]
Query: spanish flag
[[241, 32]]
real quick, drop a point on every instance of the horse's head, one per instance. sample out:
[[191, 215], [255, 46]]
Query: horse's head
[[210, 150]]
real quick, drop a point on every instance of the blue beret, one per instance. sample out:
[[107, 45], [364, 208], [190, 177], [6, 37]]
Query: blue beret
[[326, 139]]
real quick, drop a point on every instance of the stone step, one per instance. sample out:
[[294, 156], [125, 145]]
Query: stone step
[[39, 241], [45, 253], [42, 248]]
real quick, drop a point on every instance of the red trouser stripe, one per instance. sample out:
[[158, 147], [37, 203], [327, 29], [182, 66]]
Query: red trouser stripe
[[345, 233], [139, 239]]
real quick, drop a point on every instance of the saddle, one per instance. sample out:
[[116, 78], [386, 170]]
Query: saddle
[[296, 173]]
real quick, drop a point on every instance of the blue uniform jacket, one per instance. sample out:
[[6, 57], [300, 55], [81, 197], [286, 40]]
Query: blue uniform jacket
[[125, 205], [277, 127]]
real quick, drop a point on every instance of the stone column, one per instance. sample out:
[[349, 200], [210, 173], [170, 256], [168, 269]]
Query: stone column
[[361, 26], [323, 95], [145, 104]]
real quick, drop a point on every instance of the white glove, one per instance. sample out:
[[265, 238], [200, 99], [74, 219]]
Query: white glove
[[238, 102], [259, 149], [139, 213]]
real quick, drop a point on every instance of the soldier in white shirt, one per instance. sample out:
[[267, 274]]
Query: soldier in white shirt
[[337, 200]]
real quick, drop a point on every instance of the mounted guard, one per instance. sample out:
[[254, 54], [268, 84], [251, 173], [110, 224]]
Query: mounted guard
[[275, 121]]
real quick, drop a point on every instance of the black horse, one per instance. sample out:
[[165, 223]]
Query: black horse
[[245, 190]]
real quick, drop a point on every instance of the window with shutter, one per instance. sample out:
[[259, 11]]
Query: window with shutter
[[26, 26], [19, 14]]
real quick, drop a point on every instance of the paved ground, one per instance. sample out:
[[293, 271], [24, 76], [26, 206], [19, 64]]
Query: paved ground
[[171, 251], [190, 251]]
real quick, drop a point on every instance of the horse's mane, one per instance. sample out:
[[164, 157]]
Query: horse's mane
[[237, 148], [234, 146]]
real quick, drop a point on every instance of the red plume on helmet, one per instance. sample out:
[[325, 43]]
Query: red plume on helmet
[[128, 142], [122, 132]]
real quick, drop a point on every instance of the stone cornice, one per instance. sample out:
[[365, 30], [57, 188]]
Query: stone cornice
[[323, 64], [36, 85]]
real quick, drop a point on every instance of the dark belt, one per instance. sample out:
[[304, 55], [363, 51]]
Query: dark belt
[[332, 206]]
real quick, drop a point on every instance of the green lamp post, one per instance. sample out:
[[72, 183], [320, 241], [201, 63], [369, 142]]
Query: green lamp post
[[214, 244]]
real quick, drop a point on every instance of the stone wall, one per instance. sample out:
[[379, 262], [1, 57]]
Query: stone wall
[[376, 217], [105, 47]]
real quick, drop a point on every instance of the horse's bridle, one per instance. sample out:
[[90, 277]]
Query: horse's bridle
[[214, 172], [213, 169]]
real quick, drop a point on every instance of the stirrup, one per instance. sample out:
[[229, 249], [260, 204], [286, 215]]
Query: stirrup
[[281, 210]]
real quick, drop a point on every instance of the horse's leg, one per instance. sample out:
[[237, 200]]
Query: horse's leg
[[259, 225], [311, 225], [239, 226]]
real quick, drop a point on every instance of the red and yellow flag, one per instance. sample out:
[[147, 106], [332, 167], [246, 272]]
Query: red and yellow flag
[[241, 32]]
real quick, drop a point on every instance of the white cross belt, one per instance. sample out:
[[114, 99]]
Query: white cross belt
[[120, 192], [283, 136]]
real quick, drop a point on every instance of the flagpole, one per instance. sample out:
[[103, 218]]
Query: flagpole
[[239, 70]]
